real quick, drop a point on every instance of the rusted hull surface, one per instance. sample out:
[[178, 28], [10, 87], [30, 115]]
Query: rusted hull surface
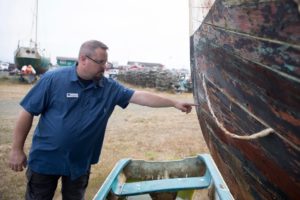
[[248, 54]]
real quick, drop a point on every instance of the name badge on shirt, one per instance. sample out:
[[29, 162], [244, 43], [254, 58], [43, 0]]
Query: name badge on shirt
[[72, 95]]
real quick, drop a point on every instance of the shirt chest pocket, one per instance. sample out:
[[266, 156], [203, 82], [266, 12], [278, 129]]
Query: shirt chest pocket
[[97, 104], [67, 104]]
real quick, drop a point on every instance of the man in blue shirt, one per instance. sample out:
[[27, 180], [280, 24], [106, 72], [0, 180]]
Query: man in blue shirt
[[74, 105]]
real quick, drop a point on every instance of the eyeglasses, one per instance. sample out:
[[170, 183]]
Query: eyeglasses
[[100, 62]]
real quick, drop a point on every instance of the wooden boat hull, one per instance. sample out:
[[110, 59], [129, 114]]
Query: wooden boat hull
[[245, 62], [31, 56]]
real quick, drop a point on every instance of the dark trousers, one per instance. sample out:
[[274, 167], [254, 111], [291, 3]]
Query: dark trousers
[[42, 187]]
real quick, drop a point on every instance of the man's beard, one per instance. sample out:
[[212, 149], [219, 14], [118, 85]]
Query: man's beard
[[97, 78]]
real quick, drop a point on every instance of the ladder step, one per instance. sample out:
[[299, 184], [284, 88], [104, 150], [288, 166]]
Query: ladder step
[[162, 185]]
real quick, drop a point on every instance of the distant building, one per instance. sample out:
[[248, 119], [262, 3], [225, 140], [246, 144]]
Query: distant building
[[65, 61], [144, 64]]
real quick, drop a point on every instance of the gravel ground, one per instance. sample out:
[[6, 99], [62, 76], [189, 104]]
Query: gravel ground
[[137, 132]]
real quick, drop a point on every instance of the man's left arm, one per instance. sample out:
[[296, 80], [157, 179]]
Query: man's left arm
[[152, 100]]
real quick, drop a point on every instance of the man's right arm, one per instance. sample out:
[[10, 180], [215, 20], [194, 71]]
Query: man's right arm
[[17, 157]]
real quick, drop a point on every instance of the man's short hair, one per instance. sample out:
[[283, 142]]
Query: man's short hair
[[89, 47]]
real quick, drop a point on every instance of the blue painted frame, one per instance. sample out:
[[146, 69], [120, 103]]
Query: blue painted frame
[[212, 177]]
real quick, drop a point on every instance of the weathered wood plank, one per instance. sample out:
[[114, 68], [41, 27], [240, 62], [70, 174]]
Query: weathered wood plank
[[229, 3], [276, 20], [266, 94], [278, 57], [280, 160], [241, 122], [247, 166], [249, 54], [245, 175]]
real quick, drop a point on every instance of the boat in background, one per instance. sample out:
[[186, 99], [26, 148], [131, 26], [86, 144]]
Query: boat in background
[[245, 64], [31, 54]]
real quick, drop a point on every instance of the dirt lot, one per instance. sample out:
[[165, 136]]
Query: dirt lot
[[137, 132]]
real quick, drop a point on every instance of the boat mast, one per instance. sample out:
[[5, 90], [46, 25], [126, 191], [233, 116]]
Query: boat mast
[[36, 22]]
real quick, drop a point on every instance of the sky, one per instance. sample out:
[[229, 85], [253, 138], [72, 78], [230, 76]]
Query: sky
[[134, 30]]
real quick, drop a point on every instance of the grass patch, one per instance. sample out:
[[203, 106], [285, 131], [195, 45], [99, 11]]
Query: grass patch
[[150, 155], [138, 132]]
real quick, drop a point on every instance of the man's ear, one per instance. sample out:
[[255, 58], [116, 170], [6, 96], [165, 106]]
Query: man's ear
[[82, 58]]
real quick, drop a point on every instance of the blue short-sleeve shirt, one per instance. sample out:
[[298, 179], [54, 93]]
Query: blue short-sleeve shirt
[[69, 135]]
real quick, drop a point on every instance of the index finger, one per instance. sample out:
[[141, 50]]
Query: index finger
[[193, 104]]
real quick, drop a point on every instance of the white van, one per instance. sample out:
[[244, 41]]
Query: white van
[[4, 66]]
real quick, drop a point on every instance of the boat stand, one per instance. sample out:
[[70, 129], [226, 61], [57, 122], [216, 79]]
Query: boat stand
[[164, 180]]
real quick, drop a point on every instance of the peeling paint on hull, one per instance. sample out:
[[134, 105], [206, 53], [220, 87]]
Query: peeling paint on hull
[[248, 52]]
